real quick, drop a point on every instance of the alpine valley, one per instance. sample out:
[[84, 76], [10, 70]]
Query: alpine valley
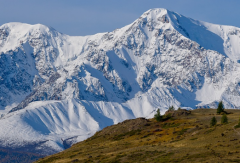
[[56, 90]]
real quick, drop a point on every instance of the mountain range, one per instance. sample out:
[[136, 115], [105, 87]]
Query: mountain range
[[56, 90]]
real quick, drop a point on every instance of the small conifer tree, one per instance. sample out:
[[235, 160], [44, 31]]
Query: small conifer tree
[[171, 108], [224, 119], [179, 108], [213, 121], [158, 116], [220, 108]]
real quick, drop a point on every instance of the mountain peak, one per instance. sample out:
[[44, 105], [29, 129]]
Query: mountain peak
[[17, 25], [155, 14], [13, 33], [23, 29], [156, 11]]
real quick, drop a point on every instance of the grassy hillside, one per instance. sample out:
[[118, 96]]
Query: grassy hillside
[[180, 139]]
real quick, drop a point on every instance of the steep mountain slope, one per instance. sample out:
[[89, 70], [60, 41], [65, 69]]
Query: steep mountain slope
[[56, 90]]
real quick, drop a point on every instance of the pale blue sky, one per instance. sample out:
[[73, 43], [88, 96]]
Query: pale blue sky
[[86, 17]]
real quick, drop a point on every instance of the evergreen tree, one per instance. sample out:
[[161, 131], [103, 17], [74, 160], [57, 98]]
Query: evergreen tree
[[220, 108], [224, 119], [158, 116], [171, 108], [213, 121]]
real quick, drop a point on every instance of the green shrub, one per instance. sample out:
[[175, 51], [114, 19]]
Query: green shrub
[[238, 125], [213, 121], [166, 117], [224, 119]]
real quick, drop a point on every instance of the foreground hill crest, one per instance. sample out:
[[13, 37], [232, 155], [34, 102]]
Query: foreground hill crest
[[56, 88], [183, 138]]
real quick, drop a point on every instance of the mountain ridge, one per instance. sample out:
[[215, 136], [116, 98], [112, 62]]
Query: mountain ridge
[[57, 87]]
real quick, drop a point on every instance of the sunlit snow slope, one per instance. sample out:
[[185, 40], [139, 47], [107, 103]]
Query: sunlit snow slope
[[56, 89]]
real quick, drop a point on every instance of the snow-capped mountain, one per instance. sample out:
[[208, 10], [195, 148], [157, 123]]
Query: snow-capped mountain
[[56, 89]]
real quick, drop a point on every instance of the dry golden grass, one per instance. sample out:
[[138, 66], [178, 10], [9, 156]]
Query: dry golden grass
[[183, 139]]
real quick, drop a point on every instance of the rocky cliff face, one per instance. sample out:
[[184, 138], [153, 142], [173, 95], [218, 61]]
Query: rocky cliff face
[[56, 88]]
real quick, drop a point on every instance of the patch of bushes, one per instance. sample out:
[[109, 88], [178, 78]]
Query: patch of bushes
[[208, 131], [181, 132], [170, 125], [130, 133]]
